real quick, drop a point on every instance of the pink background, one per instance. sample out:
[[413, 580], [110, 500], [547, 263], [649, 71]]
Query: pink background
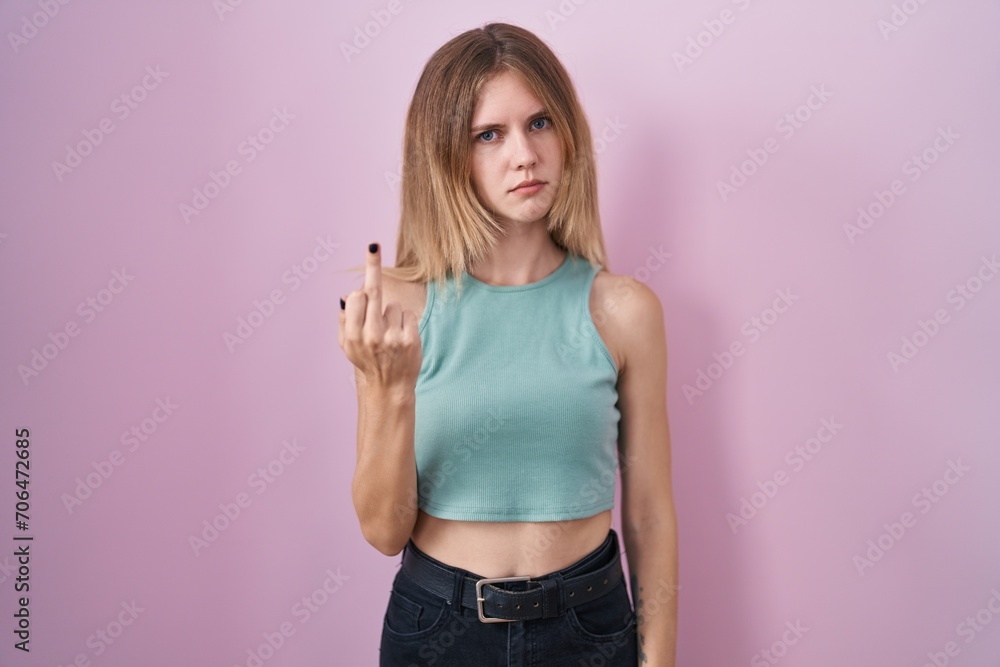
[[323, 187]]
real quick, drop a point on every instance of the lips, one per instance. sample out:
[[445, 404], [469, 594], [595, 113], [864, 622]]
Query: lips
[[525, 184]]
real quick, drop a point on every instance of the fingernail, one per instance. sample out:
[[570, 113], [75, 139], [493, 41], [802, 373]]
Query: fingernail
[[343, 305], [373, 248]]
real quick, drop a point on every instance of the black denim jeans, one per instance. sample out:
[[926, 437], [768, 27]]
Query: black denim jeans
[[421, 629]]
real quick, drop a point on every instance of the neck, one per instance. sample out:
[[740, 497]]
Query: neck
[[519, 260]]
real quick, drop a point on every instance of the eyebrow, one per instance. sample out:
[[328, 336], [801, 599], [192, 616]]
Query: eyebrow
[[478, 129]]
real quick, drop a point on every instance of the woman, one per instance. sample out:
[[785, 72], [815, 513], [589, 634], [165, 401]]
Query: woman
[[496, 382]]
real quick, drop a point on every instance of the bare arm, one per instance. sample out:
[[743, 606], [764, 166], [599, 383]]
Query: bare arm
[[384, 487], [386, 352], [649, 521]]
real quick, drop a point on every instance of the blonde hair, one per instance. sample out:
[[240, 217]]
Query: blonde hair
[[443, 226]]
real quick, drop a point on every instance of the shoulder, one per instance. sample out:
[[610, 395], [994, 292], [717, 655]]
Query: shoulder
[[628, 315]]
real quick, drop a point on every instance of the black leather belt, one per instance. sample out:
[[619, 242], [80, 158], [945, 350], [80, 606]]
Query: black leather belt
[[551, 598]]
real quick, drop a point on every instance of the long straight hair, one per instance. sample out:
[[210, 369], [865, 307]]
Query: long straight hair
[[443, 226]]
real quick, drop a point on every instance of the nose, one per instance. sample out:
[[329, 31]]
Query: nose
[[522, 151]]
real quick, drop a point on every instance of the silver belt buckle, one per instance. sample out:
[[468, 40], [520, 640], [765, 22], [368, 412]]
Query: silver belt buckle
[[480, 599]]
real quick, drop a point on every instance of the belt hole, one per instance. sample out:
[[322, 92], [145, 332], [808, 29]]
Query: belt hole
[[517, 606], [572, 593], [535, 605], [605, 581], [589, 588]]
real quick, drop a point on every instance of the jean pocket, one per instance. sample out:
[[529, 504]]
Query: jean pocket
[[406, 618], [607, 618]]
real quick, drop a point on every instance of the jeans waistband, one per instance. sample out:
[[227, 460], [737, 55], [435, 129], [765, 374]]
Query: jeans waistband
[[543, 596]]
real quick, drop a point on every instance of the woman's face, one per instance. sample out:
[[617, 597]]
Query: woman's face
[[513, 141]]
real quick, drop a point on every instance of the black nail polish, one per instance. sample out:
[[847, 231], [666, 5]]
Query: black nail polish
[[373, 248], [343, 304]]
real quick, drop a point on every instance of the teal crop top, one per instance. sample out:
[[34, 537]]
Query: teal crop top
[[516, 415]]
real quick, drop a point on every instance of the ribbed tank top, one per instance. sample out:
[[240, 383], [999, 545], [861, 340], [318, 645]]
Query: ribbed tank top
[[516, 415]]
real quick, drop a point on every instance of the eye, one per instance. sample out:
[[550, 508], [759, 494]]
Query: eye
[[483, 136], [544, 119]]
